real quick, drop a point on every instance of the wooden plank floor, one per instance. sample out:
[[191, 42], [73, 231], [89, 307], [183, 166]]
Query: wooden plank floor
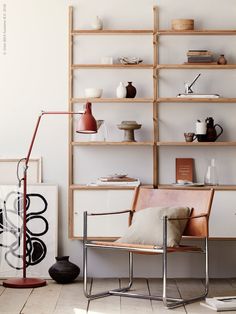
[[69, 299]]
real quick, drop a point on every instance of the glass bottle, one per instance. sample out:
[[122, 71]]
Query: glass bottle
[[211, 176]]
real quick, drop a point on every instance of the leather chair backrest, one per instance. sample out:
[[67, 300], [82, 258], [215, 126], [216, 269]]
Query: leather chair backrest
[[199, 200]]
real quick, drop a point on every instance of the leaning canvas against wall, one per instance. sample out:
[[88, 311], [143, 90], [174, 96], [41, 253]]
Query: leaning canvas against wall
[[41, 233]]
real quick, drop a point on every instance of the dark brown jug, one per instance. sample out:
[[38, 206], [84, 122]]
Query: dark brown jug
[[131, 90], [211, 134]]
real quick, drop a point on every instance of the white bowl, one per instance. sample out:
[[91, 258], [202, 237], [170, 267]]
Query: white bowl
[[93, 92]]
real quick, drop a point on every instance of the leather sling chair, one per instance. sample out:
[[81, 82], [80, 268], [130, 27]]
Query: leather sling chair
[[199, 200]]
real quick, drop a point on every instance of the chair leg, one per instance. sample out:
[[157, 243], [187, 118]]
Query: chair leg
[[168, 302], [164, 262], [131, 270], [181, 302], [109, 292], [206, 267]]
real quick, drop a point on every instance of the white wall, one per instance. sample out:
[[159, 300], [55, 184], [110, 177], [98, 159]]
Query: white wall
[[34, 74]]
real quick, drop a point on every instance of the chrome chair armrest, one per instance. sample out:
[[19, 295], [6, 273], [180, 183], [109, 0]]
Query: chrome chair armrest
[[86, 214], [186, 218], [109, 213]]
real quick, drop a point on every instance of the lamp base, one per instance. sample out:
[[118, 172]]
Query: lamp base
[[24, 283]]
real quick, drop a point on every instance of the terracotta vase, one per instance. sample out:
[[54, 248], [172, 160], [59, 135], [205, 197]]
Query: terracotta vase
[[63, 271], [131, 90], [221, 60]]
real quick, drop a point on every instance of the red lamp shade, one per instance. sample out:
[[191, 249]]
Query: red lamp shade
[[87, 123]]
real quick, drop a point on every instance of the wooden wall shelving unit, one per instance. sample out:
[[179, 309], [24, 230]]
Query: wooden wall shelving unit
[[155, 144], [144, 100], [160, 67]]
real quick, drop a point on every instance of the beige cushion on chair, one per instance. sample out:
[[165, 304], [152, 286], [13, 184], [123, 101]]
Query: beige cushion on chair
[[147, 226]]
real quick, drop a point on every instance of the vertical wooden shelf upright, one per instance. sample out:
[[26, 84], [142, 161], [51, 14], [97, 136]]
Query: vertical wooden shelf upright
[[70, 126], [71, 101]]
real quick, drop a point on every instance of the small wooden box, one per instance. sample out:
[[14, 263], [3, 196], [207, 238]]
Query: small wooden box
[[182, 24]]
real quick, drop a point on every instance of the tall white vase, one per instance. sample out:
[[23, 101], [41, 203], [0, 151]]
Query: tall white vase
[[121, 91]]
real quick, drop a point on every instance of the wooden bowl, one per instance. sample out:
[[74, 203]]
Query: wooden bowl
[[182, 24]]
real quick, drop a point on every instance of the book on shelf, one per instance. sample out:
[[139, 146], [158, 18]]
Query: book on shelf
[[123, 179], [220, 304], [196, 56], [118, 183], [184, 169], [118, 179], [198, 95], [202, 63], [199, 53]]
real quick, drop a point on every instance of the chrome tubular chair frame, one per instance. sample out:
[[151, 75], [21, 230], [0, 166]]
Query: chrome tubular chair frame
[[167, 301]]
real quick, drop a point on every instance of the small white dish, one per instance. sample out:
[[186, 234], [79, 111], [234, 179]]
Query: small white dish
[[93, 92], [189, 184]]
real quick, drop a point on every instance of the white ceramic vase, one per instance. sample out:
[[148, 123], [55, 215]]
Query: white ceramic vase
[[97, 23], [121, 91]]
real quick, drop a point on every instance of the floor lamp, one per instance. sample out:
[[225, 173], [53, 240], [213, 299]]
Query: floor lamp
[[87, 125]]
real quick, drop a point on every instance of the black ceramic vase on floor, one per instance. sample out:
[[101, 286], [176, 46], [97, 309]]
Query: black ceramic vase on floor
[[63, 271], [131, 90]]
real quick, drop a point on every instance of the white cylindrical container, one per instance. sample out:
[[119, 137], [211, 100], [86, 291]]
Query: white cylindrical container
[[201, 128], [107, 60], [97, 23], [121, 91]]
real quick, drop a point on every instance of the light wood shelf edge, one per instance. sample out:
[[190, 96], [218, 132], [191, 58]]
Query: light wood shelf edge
[[112, 100], [184, 238], [195, 100], [197, 66], [205, 187], [112, 32], [93, 143], [198, 32], [112, 66], [110, 187], [196, 144]]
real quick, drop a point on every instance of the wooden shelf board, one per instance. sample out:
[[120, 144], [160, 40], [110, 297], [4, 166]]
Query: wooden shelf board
[[205, 187], [197, 66], [207, 144], [104, 143], [195, 100], [216, 187], [112, 66], [113, 100], [184, 238], [198, 32], [111, 187], [112, 32]]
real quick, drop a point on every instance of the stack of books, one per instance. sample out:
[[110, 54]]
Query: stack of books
[[220, 303], [199, 56], [123, 180]]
